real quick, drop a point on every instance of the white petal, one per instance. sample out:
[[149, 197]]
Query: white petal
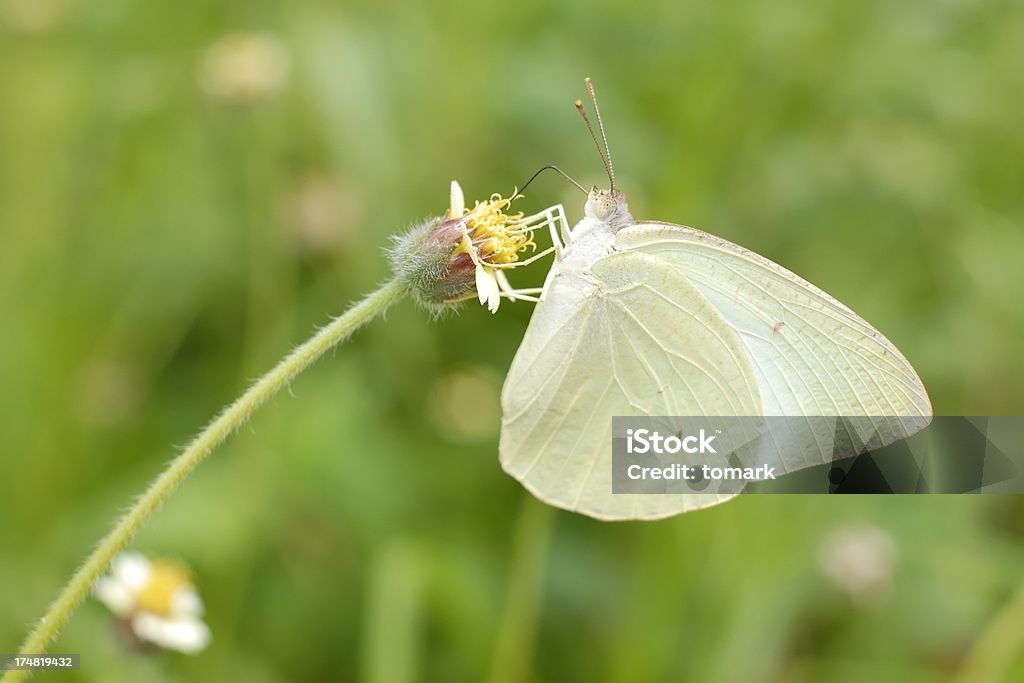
[[186, 602], [186, 634], [132, 570], [149, 627], [457, 203], [114, 595], [487, 288]]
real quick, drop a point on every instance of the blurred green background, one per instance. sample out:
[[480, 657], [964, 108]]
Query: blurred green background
[[188, 189]]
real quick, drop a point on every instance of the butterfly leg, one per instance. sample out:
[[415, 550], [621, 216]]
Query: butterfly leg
[[513, 294], [558, 213], [559, 236], [525, 262], [554, 215], [563, 225], [535, 294], [554, 220]]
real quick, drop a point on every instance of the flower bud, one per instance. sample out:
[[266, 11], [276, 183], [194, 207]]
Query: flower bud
[[447, 259]]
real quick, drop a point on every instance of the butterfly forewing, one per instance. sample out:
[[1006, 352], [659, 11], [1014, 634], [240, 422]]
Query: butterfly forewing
[[812, 355]]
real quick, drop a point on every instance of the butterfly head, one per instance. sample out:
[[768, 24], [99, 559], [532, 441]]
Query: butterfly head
[[607, 206]]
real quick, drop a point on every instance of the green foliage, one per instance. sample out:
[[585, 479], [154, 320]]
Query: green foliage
[[164, 238]]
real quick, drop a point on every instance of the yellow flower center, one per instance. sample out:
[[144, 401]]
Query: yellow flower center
[[496, 236], [157, 595]]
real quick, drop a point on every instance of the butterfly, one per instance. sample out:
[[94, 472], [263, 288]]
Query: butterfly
[[652, 318]]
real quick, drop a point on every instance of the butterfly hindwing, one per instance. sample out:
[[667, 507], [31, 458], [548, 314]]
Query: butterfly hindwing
[[632, 337]]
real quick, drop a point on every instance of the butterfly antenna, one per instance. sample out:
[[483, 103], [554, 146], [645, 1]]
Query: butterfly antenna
[[557, 170], [593, 136], [600, 125]]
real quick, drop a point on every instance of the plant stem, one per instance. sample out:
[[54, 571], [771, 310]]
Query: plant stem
[[215, 433], [517, 633]]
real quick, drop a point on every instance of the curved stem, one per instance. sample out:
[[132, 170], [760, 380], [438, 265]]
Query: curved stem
[[517, 634], [212, 436]]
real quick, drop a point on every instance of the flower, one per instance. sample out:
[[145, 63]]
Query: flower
[[859, 560], [156, 601], [33, 16], [491, 237], [244, 68], [445, 260], [320, 211]]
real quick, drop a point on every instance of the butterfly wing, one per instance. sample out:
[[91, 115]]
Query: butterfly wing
[[632, 337], [679, 322], [811, 354]]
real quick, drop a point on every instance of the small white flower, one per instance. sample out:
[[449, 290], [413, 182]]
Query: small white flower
[[157, 600], [33, 16], [244, 68], [860, 561], [492, 238], [487, 289], [464, 253], [320, 211]]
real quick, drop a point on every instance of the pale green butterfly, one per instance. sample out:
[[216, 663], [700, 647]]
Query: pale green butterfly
[[652, 318]]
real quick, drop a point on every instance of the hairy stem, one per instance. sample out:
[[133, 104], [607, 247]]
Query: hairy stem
[[212, 436]]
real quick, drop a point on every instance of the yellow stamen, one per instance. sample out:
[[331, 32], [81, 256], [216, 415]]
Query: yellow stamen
[[497, 237], [157, 595]]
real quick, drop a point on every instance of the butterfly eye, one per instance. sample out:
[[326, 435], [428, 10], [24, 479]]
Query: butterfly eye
[[605, 206]]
